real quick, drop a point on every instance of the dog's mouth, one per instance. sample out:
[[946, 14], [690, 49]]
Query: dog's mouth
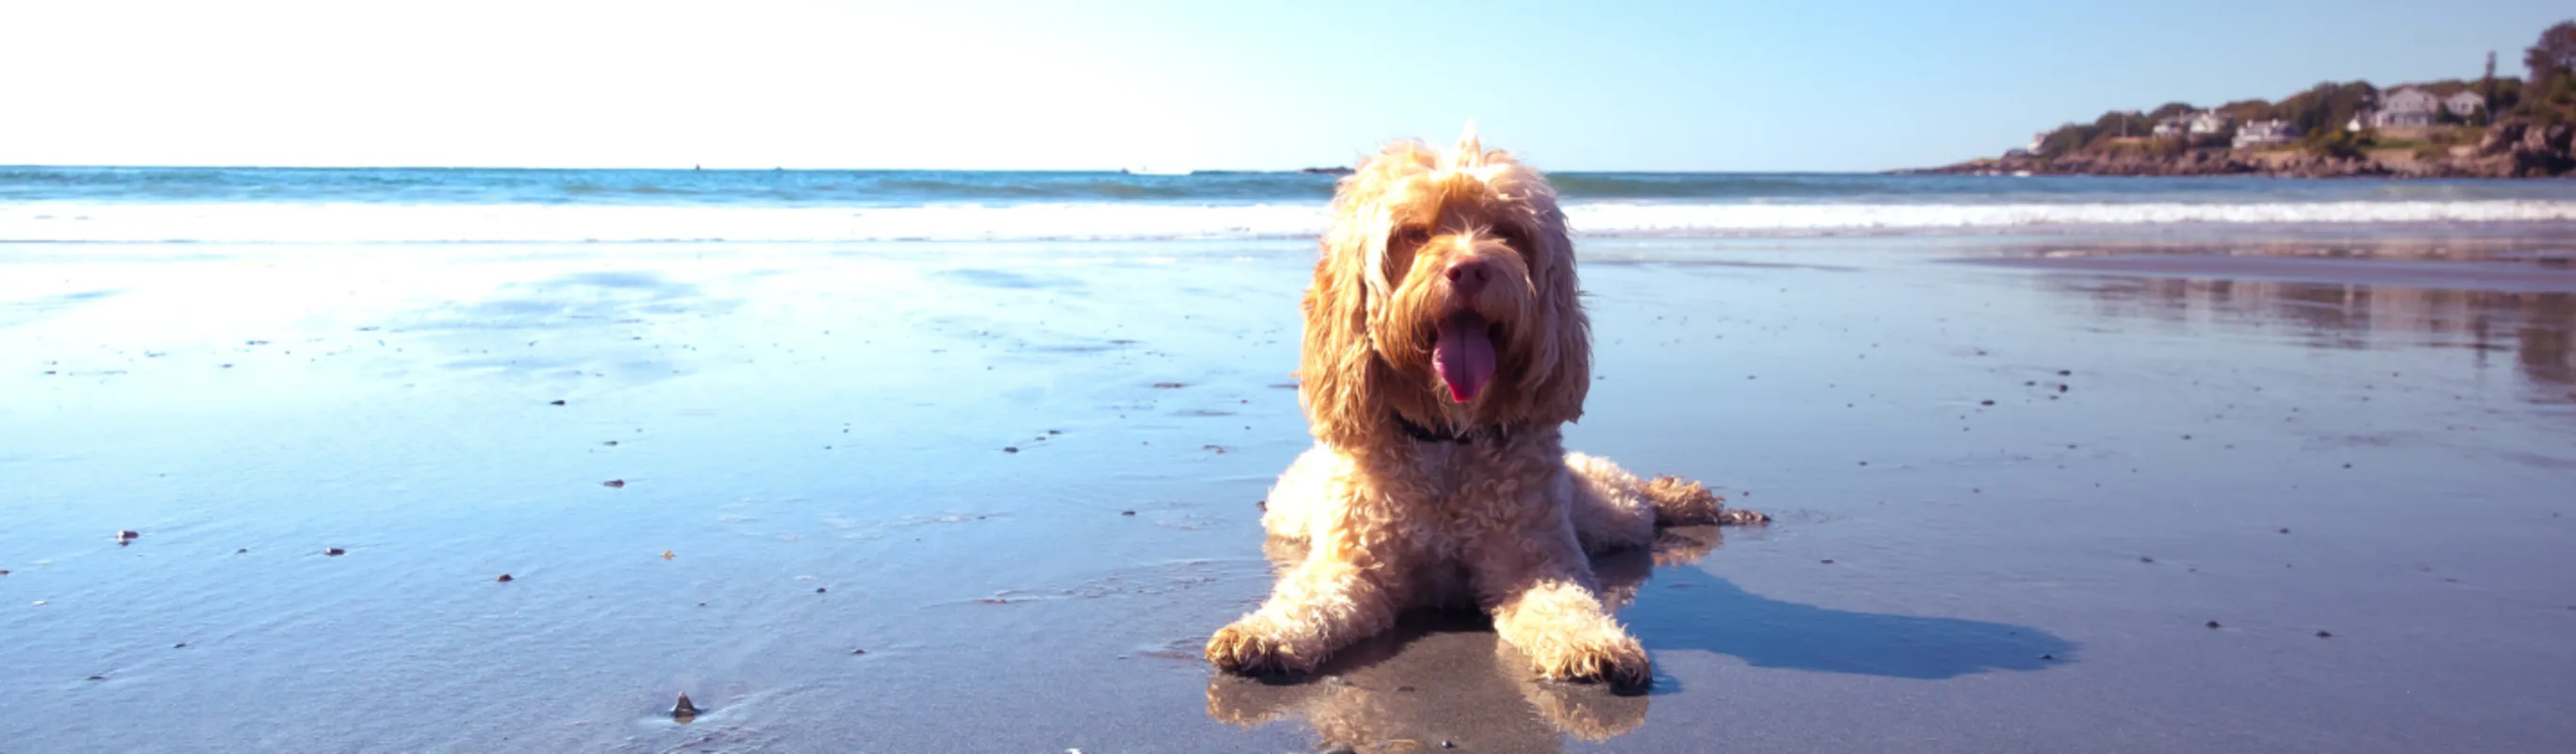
[[1464, 355]]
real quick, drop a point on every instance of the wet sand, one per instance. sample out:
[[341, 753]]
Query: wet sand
[[993, 497]]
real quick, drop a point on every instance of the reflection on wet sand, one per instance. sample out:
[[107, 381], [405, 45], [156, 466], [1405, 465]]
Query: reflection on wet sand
[[1445, 677], [2535, 327]]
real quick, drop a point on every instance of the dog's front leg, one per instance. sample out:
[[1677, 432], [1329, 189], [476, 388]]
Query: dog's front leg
[[1321, 605], [1540, 591]]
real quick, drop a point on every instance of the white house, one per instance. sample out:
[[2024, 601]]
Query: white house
[[2361, 119], [2408, 108], [2465, 104], [2208, 122], [2171, 126], [2257, 133]]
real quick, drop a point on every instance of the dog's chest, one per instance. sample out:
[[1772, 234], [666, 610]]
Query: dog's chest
[[1459, 489]]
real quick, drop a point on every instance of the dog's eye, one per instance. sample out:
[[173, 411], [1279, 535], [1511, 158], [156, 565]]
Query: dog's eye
[[1413, 236], [1519, 242]]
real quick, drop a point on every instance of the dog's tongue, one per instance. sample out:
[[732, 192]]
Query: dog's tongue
[[1464, 356]]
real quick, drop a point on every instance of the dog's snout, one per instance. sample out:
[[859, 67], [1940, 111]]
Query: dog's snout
[[1469, 276]]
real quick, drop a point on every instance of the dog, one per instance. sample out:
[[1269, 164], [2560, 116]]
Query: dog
[[1445, 347]]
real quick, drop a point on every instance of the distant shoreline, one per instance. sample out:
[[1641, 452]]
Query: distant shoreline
[[2508, 151]]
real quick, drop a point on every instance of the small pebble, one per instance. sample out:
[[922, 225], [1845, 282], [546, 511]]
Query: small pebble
[[334, 551], [505, 578]]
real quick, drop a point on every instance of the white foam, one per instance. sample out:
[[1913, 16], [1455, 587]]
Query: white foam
[[543, 223]]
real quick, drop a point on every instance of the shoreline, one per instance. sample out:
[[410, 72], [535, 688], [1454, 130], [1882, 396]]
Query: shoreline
[[2508, 151]]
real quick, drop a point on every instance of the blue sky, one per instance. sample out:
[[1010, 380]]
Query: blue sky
[[1089, 85]]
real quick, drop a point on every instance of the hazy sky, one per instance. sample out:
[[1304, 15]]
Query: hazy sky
[[1083, 84]]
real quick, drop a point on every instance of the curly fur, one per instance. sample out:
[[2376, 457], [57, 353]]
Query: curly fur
[[1503, 521]]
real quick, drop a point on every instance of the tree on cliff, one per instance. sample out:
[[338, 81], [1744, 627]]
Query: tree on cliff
[[2555, 54], [2067, 139], [2326, 106], [2550, 96]]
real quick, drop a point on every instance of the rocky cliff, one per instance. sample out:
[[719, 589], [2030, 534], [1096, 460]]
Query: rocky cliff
[[2513, 149]]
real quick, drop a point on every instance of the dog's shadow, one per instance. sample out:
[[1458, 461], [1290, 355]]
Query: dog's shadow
[[1444, 676]]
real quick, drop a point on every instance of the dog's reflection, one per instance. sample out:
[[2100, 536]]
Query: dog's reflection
[[1445, 677]]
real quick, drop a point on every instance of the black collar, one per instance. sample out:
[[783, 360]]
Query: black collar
[[1425, 434]]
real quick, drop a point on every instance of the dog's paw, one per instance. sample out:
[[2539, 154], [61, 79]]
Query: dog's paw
[[1241, 648], [1616, 659], [1678, 502]]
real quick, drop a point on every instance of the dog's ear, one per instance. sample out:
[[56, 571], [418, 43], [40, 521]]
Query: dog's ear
[[1336, 369], [1560, 365]]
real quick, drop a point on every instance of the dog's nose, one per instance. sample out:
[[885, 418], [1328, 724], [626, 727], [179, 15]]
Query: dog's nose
[[1466, 277]]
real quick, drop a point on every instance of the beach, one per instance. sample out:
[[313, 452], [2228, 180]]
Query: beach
[[2159, 480]]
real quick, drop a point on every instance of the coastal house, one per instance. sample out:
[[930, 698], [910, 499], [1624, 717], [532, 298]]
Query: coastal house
[[2408, 108], [2361, 119], [2465, 105], [2207, 122], [2172, 126], [2261, 132]]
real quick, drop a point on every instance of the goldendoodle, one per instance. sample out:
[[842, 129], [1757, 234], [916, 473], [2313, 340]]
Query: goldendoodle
[[1445, 348]]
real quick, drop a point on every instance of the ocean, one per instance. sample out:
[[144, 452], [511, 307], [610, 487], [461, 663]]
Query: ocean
[[421, 205]]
